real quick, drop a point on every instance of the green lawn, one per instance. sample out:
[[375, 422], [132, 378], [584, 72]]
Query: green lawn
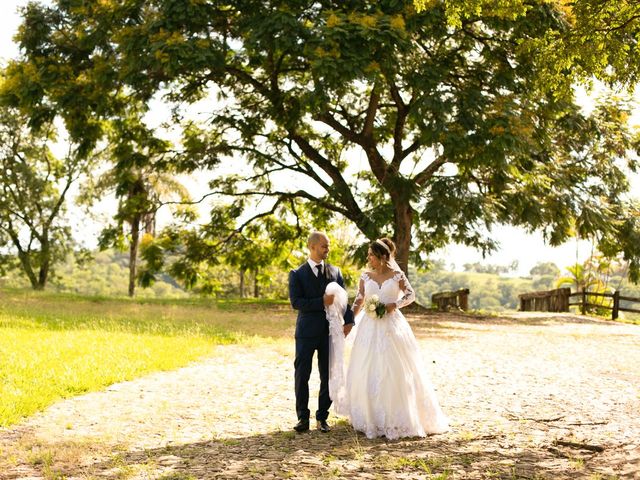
[[54, 346]]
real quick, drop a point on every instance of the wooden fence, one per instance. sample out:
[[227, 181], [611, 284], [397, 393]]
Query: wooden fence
[[558, 301], [444, 301], [615, 307], [548, 301]]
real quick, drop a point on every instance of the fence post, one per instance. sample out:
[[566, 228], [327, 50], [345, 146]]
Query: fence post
[[616, 305], [584, 301], [464, 299]]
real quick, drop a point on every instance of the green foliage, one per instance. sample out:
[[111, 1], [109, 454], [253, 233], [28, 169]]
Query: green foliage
[[545, 269], [211, 261], [105, 274], [463, 113], [600, 274], [594, 38], [34, 234]]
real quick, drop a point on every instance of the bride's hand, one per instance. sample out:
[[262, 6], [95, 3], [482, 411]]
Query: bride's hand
[[391, 307]]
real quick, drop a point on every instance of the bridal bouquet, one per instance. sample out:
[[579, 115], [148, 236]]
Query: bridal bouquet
[[374, 306]]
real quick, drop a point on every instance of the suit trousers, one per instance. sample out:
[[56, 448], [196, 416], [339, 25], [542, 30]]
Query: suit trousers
[[305, 348]]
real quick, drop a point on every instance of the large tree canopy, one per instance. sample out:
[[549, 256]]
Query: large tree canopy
[[402, 122], [597, 38]]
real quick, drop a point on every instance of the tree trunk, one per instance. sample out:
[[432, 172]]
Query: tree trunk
[[45, 261], [133, 253], [150, 223], [242, 283], [256, 285], [403, 217], [25, 261]]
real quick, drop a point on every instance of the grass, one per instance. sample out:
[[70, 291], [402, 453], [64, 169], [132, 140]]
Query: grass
[[54, 346]]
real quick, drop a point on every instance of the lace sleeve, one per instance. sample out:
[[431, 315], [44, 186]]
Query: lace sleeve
[[357, 304], [409, 295]]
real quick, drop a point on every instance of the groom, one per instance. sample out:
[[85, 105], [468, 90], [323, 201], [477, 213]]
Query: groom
[[306, 292]]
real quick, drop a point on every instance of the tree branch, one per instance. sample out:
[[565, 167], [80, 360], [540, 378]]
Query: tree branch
[[422, 177], [281, 194], [618, 27], [347, 133], [244, 76], [308, 170], [374, 100], [398, 129], [410, 149], [63, 194]]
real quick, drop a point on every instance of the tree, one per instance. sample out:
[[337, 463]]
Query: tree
[[458, 124], [544, 269], [545, 275], [141, 193], [251, 253], [140, 185], [594, 277], [489, 268], [188, 254], [35, 185], [508, 295], [595, 38]]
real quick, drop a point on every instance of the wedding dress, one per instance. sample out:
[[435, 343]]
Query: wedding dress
[[387, 390]]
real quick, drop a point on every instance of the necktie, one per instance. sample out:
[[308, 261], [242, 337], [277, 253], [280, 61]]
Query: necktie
[[319, 267]]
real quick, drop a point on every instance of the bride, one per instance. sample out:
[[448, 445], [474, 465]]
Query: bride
[[387, 389]]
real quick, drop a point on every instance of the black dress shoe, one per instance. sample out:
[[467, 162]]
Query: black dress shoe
[[323, 426], [302, 426]]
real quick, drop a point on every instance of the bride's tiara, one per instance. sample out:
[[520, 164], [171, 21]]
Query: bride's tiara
[[386, 247]]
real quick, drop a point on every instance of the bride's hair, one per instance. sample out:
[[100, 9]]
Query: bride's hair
[[380, 251]]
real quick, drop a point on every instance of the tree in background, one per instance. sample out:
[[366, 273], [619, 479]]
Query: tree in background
[[266, 250], [578, 278], [140, 192], [593, 276], [460, 124], [489, 268], [544, 275], [544, 269], [34, 188], [142, 180], [252, 252]]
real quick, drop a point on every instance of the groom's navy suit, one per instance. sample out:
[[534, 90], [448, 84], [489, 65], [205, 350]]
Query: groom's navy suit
[[306, 291]]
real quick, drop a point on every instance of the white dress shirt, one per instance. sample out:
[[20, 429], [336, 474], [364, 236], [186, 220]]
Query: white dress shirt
[[313, 266]]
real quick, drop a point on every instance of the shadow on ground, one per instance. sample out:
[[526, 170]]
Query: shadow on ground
[[345, 454]]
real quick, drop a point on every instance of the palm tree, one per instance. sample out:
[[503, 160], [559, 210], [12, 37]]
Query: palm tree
[[593, 277], [578, 277], [141, 192]]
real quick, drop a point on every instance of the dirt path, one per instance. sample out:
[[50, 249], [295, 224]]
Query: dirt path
[[531, 397]]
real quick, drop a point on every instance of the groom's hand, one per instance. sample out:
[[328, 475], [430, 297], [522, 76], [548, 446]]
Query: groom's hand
[[327, 299], [347, 328]]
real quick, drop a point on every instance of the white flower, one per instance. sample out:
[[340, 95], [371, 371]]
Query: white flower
[[372, 307], [375, 298]]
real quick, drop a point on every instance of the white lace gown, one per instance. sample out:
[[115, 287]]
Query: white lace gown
[[388, 391]]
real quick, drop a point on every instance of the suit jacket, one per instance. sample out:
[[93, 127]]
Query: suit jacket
[[306, 293]]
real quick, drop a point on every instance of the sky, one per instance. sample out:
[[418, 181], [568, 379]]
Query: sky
[[515, 244]]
